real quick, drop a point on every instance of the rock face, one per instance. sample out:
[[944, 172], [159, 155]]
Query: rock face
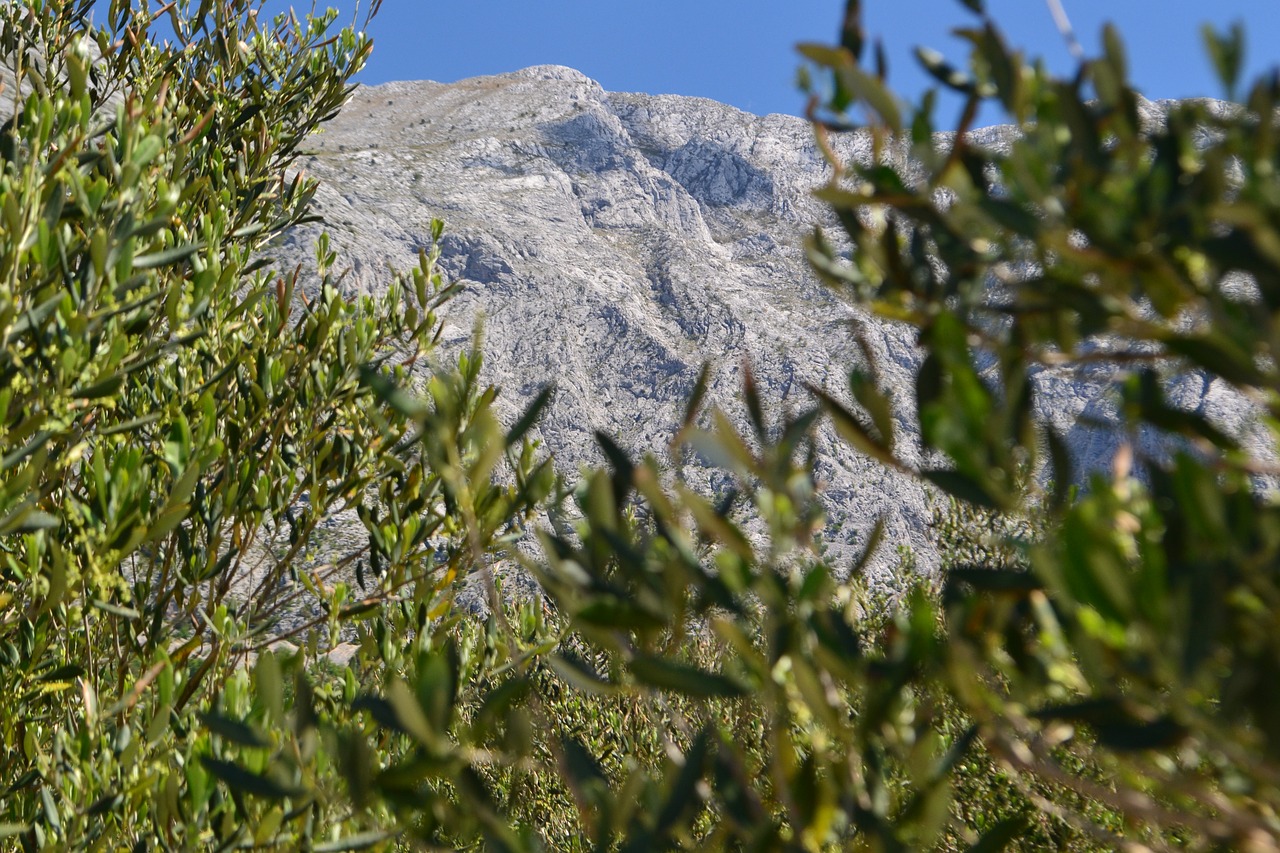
[[615, 242]]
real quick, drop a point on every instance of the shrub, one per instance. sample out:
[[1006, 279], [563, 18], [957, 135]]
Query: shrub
[[179, 421]]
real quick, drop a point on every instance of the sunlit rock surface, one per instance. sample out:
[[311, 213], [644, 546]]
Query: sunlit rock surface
[[615, 242]]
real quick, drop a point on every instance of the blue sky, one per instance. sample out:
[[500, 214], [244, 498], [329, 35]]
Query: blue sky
[[742, 51]]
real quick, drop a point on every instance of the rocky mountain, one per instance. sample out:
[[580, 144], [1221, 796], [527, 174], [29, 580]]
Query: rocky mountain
[[615, 242]]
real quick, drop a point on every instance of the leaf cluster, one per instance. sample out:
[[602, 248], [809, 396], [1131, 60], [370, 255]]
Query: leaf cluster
[[181, 423]]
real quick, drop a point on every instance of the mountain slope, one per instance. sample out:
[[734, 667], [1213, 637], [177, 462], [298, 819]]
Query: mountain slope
[[615, 242]]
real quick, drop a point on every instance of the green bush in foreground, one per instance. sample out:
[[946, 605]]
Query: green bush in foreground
[[177, 423]]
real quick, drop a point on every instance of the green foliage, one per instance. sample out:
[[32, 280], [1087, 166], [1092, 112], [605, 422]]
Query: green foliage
[[1111, 239], [1096, 668], [179, 422]]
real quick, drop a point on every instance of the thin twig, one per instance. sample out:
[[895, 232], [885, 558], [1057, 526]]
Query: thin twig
[[1063, 24]]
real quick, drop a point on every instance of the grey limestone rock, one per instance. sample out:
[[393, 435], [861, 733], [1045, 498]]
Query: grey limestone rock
[[615, 242]]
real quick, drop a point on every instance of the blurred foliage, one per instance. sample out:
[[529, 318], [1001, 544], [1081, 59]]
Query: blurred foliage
[[1138, 630]]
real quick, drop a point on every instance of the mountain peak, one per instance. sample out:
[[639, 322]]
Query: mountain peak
[[555, 72], [614, 243]]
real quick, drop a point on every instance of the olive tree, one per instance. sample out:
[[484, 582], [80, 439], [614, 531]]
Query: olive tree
[[1140, 635], [179, 420]]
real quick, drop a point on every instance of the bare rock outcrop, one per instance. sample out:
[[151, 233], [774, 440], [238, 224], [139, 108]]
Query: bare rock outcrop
[[615, 242]]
